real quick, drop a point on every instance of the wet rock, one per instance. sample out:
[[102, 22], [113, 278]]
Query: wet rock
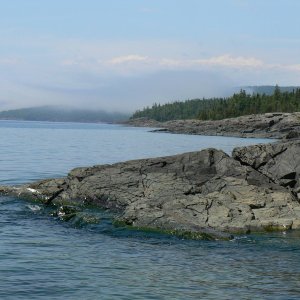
[[65, 212]]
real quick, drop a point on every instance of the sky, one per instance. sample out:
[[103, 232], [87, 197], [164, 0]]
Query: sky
[[122, 55]]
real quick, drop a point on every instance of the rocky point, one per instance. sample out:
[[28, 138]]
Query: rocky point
[[205, 193]]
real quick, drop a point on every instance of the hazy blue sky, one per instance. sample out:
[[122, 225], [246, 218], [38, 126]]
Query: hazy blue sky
[[130, 53]]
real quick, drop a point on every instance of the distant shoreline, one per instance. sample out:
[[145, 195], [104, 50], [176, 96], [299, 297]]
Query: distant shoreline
[[52, 121], [270, 125], [62, 114]]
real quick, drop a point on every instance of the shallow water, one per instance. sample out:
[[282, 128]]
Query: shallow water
[[42, 257]]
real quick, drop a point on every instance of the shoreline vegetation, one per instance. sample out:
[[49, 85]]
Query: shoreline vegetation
[[239, 104], [264, 99]]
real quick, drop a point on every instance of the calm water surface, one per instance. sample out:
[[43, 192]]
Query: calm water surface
[[42, 257]]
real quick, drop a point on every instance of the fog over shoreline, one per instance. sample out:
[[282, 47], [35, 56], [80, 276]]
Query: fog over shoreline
[[127, 55]]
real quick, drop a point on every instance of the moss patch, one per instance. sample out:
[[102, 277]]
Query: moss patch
[[189, 235]]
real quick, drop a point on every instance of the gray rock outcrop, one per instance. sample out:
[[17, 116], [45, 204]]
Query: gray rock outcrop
[[205, 192], [278, 161], [269, 125]]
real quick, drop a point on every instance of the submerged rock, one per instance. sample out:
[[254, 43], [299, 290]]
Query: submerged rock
[[203, 193], [65, 212]]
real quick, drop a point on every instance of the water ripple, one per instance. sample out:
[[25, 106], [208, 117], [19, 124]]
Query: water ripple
[[43, 257]]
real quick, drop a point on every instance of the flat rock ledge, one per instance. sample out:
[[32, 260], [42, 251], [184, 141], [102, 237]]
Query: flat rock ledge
[[269, 125], [206, 193]]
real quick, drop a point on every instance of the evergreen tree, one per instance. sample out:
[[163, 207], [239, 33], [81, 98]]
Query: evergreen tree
[[219, 108]]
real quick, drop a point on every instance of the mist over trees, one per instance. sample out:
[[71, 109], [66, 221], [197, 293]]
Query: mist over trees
[[61, 114], [221, 108]]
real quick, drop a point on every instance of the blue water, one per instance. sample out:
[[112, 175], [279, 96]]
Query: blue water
[[42, 257]]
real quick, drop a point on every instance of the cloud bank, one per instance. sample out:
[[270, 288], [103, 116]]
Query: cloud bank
[[127, 75]]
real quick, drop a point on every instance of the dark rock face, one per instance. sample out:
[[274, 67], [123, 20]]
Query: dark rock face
[[199, 192], [269, 125], [279, 161]]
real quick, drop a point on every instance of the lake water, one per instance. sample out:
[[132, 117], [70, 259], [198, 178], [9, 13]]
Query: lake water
[[42, 257]]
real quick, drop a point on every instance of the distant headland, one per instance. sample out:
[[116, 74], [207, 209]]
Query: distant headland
[[63, 114]]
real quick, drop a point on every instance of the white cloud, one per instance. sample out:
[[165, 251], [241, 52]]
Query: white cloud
[[110, 57], [227, 60], [138, 64], [92, 71], [127, 59]]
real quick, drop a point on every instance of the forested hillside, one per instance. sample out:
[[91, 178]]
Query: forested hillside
[[61, 114], [221, 108]]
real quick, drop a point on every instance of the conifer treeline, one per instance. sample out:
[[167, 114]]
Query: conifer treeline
[[220, 108]]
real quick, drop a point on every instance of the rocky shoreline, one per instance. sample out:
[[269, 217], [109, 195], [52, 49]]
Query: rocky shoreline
[[269, 125], [205, 194]]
